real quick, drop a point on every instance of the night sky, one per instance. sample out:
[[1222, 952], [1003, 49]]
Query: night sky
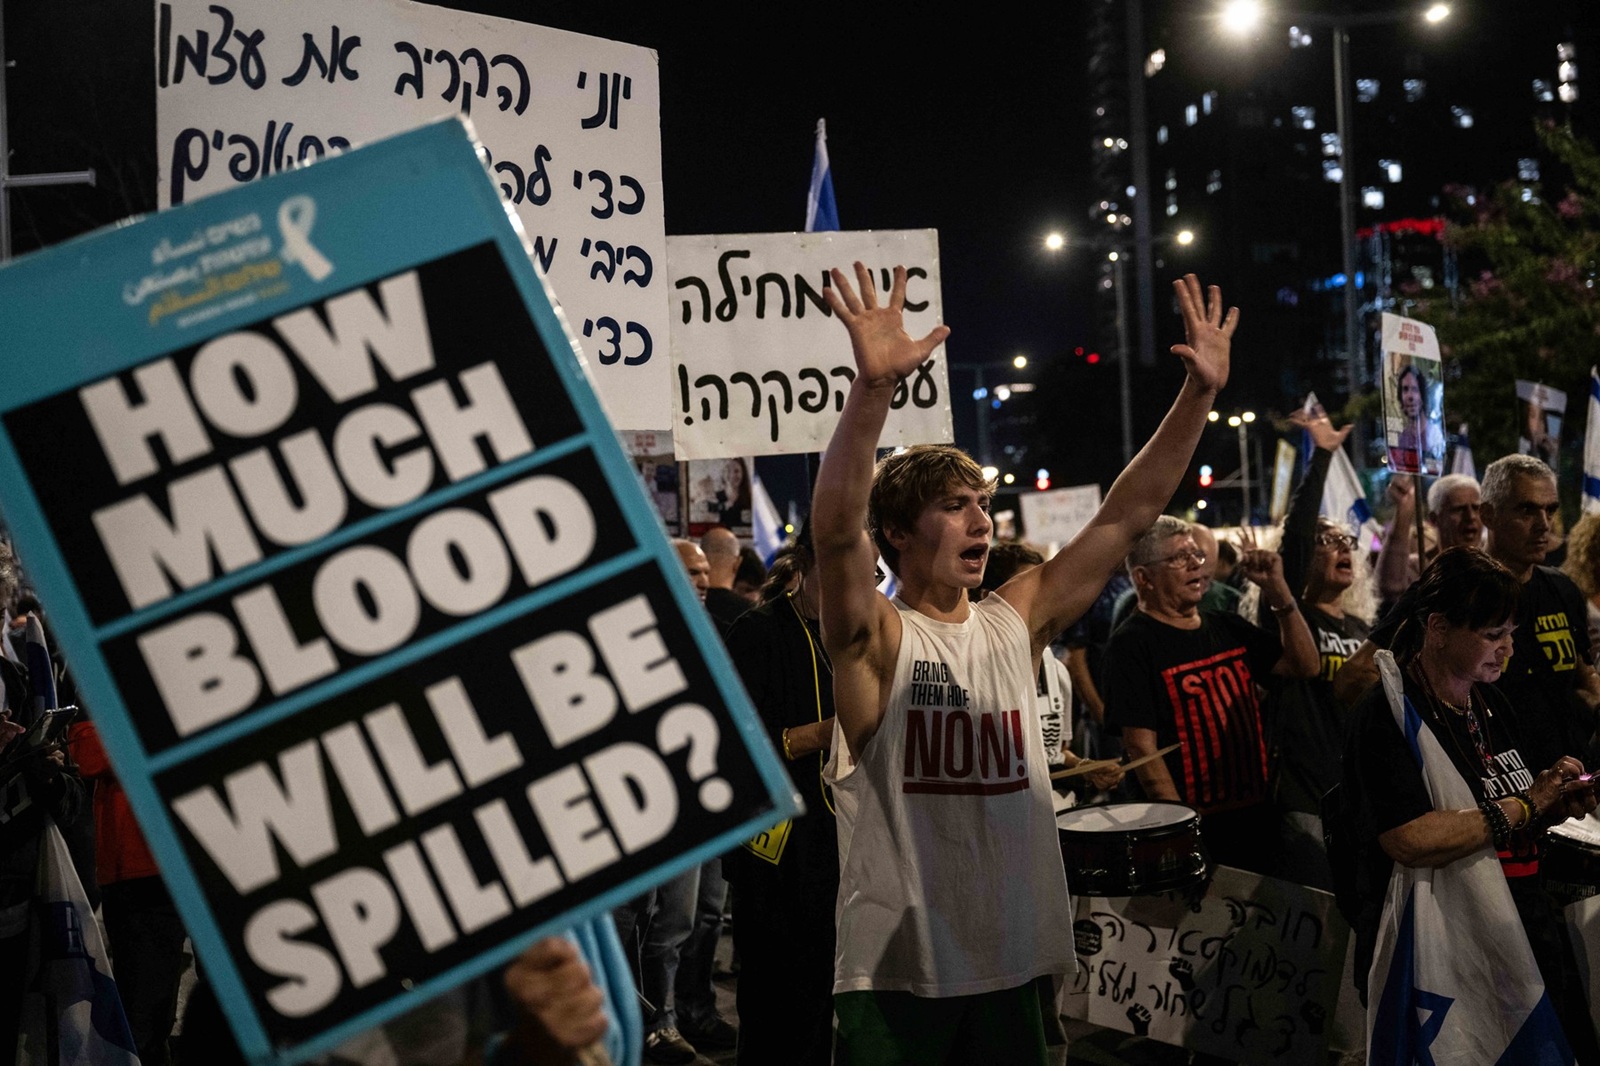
[[975, 124]]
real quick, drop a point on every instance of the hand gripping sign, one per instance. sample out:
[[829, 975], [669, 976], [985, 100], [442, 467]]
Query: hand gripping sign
[[383, 639]]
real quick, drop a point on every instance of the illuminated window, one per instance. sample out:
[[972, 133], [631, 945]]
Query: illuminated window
[[1527, 170], [1330, 144], [1304, 117], [1462, 117], [1415, 89], [1161, 135], [1299, 38], [1372, 196], [1391, 169], [1172, 180], [1191, 115], [1208, 102], [1157, 60], [1366, 90], [1332, 171], [1172, 204], [1542, 92], [1214, 182]]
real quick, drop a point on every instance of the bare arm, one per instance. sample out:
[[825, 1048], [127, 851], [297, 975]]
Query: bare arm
[[1083, 683], [1153, 775], [1300, 658], [1441, 837], [1358, 674], [1394, 557], [1054, 595], [808, 739], [859, 628]]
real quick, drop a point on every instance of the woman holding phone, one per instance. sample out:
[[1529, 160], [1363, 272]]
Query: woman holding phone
[[1435, 770]]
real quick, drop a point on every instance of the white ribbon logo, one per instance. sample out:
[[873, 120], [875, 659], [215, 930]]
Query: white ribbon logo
[[295, 218]]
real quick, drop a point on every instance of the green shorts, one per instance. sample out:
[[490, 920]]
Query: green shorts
[[900, 1029]]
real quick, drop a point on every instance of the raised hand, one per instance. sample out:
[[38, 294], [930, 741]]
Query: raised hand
[[1323, 435], [558, 1002], [1208, 334], [884, 351]]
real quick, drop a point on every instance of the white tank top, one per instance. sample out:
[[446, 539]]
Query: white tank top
[[951, 880]]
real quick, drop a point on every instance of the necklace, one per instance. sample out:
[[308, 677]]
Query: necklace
[[1475, 730]]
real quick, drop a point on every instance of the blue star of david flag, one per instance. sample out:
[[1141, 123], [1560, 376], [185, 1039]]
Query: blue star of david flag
[[821, 211], [1453, 980]]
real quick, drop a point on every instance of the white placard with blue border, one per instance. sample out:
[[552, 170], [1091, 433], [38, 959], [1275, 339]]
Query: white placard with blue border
[[385, 642]]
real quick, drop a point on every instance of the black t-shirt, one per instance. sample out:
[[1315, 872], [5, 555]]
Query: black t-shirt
[[1383, 773], [725, 606], [1197, 688], [1309, 724], [1541, 677], [786, 672]]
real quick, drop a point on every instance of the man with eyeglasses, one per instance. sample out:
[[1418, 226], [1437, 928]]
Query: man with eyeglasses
[[1178, 674]]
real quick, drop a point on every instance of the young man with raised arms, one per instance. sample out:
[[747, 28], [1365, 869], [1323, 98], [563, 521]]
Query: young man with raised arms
[[952, 896]]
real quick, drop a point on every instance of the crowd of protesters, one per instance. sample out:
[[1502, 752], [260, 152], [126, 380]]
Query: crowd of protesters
[[1265, 678]]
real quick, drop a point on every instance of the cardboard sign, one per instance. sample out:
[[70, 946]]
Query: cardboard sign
[[570, 126], [760, 366], [378, 628], [1055, 516], [1252, 975], [1413, 397]]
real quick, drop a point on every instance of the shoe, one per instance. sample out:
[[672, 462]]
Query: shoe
[[668, 1047], [717, 1035]]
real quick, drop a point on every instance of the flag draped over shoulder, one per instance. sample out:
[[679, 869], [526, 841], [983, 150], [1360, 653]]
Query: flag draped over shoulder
[[1591, 447], [1453, 980], [71, 1014], [821, 211]]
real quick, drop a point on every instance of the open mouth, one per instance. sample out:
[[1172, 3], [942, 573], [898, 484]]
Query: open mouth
[[975, 554]]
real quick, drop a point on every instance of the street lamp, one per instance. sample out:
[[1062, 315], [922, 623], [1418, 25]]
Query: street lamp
[[1118, 259], [1241, 422], [1233, 16]]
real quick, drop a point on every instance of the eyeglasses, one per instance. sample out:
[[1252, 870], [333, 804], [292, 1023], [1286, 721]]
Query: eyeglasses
[[1329, 538], [1182, 560]]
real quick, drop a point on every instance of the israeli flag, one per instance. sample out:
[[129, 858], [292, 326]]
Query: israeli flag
[[1453, 979], [766, 531], [1591, 447], [1461, 459], [821, 212], [1344, 501]]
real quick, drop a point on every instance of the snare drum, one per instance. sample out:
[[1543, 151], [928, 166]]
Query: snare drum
[[1570, 864], [1131, 849]]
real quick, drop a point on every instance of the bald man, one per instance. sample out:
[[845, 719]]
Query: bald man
[[695, 564], [721, 548]]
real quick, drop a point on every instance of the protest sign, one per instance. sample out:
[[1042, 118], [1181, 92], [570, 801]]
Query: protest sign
[[1413, 397], [1251, 975], [1056, 515], [570, 126], [1540, 410], [759, 365], [378, 628]]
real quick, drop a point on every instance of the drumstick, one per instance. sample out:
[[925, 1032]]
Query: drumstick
[[1089, 766]]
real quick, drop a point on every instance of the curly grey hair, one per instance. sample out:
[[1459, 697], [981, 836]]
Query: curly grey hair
[[1441, 489]]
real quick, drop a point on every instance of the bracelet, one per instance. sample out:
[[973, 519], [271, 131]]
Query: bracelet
[[1526, 798], [1292, 605], [787, 754], [1499, 824], [1527, 809]]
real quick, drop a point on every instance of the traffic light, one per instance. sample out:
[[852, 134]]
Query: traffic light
[[1205, 476]]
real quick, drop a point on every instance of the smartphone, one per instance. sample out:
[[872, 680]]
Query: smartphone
[[49, 728]]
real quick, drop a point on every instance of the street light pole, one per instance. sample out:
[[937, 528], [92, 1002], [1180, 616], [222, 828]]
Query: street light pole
[[1344, 104], [1124, 357]]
